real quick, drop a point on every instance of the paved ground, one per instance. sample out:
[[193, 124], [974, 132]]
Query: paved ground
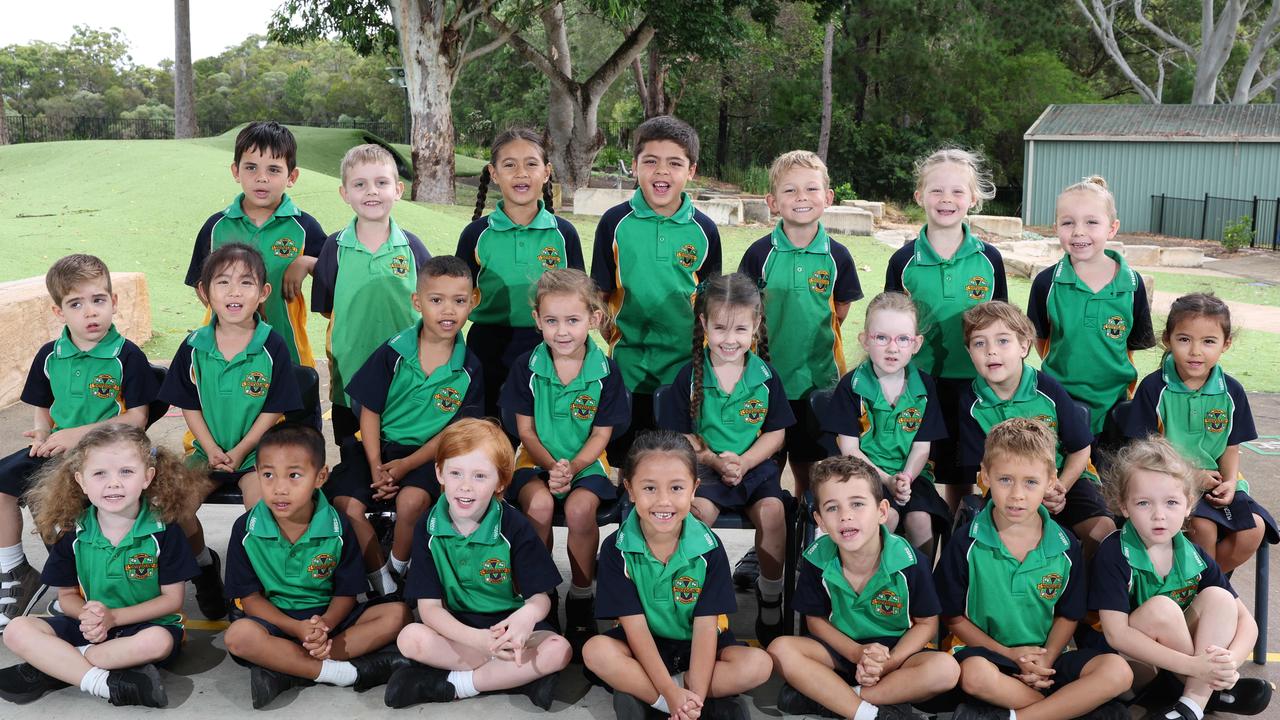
[[205, 683]]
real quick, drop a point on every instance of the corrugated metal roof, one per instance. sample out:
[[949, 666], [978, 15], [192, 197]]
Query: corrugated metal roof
[[1169, 123]]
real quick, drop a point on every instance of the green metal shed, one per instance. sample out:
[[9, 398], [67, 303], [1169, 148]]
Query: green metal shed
[[1177, 169]]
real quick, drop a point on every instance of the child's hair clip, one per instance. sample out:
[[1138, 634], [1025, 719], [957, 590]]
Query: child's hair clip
[[154, 451], [760, 283], [701, 287]]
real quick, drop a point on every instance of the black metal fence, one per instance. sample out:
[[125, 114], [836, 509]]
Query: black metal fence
[[1207, 217], [49, 128]]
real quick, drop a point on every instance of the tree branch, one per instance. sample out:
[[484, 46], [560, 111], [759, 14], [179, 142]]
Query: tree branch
[[531, 53], [1101, 19], [1167, 37], [629, 50], [489, 47], [1262, 42]]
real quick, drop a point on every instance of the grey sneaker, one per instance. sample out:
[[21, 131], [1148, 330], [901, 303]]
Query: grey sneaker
[[17, 587]]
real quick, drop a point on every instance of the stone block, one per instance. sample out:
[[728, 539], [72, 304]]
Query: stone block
[[1116, 245], [27, 322], [756, 211], [595, 201], [1052, 249], [894, 238], [1181, 257], [843, 220], [876, 208], [1008, 227], [1142, 255], [725, 211]]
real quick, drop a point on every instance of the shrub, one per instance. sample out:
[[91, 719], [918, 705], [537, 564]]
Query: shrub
[[1238, 234]]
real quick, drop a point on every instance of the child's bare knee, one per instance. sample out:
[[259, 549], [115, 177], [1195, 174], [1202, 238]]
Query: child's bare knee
[[976, 674], [941, 672], [556, 652], [243, 635], [1111, 671], [1214, 599]]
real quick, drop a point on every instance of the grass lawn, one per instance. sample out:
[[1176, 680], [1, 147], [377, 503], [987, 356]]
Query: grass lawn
[[138, 205], [1231, 289]]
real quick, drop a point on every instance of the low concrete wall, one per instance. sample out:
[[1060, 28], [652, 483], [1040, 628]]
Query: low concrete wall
[[27, 322], [843, 220], [595, 201], [756, 211], [875, 208], [1005, 227], [722, 211]]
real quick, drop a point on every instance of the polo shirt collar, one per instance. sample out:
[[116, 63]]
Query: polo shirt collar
[[984, 531], [895, 555], [1186, 561], [695, 539], [108, 347], [641, 209], [1215, 385], [986, 394], [325, 521], [867, 385], [594, 365], [88, 529], [925, 254], [1121, 283], [820, 245], [754, 374], [204, 339], [488, 532], [347, 238], [543, 220], [405, 343], [286, 208]]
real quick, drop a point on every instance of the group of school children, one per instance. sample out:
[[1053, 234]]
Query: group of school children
[[702, 417]]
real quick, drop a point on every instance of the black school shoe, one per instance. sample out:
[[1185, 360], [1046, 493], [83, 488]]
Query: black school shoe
[[579, 623], [266, 685], [418, 684], [793, 702], [978, 710], [768, 632], [377, 667], [137, 686], [1183, 712], [541, 692], [1250, 696], [746, 571], [630, 707], [23, 683], [209, 593], [901, 711], [1110, 710], [725, 708]]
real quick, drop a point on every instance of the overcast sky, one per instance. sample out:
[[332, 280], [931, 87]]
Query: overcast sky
[[147, 24]]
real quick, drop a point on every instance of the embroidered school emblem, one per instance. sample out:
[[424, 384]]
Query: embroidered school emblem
[[1049, 421], [910, 419], [886, 603], [104, 386], [284, 248], [140, 566], [1114, 327], [549, 257], [322, 566], [583, 407], [399, 266], [977, 288], [255, 384], [494, 571], [1184, 595], [753, 411], [1050, 586], [687, 256], [1216, 420], [820, 281], [685, 590], [448, 399]]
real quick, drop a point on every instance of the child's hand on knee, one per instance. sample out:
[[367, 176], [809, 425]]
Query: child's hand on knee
[[1222, 495], [730, 468], [902, 488], [683, 703], [1055, 498]]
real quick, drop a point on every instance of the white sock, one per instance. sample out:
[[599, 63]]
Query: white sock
[[464, 683], [678, 679], [1191, 705], [204, 558], [857, 690], [83, 648], [337, 672], [866, 711], [770, 591], [582, 592], [397, 564], [380, 580], [94, 682], [1013, 714], [661, 705], [11, 557]]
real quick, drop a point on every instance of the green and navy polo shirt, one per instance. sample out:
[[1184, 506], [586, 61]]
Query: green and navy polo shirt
[[802, 287], [122, 575], [1091, 335], [323, 564], [367, 295], [288, 234], [82, 387], [564, 415], [693, 582], [942, 291], [730, 421], [493, 570], [415, 406], [886, 431], [507, 259], [1122, 578], [1013, 602], [648, 267], [900, 590], [231, 393]]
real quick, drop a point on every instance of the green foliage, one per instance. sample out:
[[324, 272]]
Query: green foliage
[[610, 156], [1238, 234], [844, 191]]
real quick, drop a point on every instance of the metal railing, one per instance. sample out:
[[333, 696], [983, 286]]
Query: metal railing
[[1207, 217]]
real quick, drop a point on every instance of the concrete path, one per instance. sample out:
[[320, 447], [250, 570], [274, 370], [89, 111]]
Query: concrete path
[[1264, 318]]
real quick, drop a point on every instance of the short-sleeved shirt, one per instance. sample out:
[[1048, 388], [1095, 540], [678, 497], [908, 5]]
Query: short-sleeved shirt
[[942, 291], [231, 393], [150, 556], [886, 431], [648, 267], [367, 295], [693, 582], [324, 563], [564, 414], [1122, 578], [507, 259], [494, 569], [415, 406], [803, 285], [1091, 335], [1202, 423], [1038, 397], [731, 421], [1013, 602], [82, 387], [900, 589], [288, 234]]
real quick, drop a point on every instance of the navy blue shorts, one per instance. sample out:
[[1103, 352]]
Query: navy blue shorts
[[761, 482], [68, 630], [1067, 667], [1084, 502], [484, 621], [353, 477], [1238, 516], [802, 439], [945, 452], [304, 614], [497, 347], [222, 479], [18, 470], [598, 485], [925, 499], [675, 654]]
